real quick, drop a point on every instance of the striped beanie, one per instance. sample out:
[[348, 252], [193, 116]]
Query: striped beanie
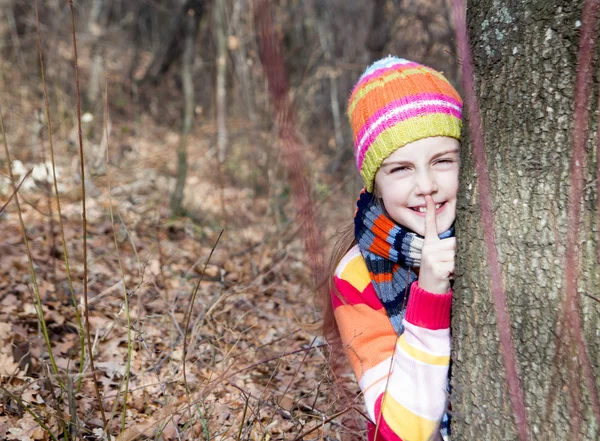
[[396, 102]]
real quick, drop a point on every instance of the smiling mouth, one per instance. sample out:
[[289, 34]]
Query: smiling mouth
[[423, 208]]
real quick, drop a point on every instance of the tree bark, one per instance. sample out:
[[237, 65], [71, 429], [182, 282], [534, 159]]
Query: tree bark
[[525, 63], [379, 32], [172, 46], [143, 15], [326, 38], [239, 53], [96, 27], [221, 91], [190, 28]]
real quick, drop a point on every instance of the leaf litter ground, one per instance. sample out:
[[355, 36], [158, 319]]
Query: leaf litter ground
[[253, 369]]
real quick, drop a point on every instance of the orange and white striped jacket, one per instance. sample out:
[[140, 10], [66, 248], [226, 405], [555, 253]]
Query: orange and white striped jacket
[[403, 379]]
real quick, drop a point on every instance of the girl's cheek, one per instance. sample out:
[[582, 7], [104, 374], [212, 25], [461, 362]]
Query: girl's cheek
[[452, 182]]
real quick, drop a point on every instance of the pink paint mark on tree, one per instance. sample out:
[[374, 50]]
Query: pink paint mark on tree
[[272, 58], [598, 185], [577, 167], [487, 215]]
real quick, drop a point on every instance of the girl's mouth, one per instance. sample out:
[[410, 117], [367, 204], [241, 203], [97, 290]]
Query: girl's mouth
[[422, 209]]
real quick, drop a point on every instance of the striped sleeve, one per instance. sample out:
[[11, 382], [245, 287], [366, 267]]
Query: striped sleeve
[[403, 379]]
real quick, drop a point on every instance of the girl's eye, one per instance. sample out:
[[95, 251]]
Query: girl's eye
[[399, 169], [445, 161]]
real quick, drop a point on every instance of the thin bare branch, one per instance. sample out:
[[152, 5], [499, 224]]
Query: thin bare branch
[[57, 198], [83, 215], [16, 190], [190, 309], [325, 421], [125, 296]]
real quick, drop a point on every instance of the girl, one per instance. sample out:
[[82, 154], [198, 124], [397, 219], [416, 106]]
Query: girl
[[390, 292]]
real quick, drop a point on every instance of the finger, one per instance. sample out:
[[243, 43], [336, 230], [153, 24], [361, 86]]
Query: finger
[[444, 244], [445, 256], [441, 259], [445, 269], [430, 222], [449, 242]]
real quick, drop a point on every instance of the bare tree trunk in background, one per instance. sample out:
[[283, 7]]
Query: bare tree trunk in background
[[327, 42], [9, 13], [190, 30], [326, 38], [335, 108], [526, 67], [379, 33], [238, 51], [144, 14], [96, 25], [272, 59], [221, 92], [447, 38], [172, 43]]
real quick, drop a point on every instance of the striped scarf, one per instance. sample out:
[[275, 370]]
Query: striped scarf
[[391, 253]]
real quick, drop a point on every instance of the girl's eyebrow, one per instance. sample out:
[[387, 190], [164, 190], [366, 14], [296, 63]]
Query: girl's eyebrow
[[396, 163], [406, 162], [447, 152]]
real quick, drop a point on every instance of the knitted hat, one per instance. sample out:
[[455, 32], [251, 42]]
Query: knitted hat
[[396, 102]]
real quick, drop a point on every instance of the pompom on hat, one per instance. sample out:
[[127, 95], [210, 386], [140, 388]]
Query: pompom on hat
[[396, 102]]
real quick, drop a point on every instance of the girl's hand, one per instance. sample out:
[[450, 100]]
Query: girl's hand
[[437, 258]]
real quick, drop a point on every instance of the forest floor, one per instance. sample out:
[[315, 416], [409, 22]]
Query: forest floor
[[253, 370]]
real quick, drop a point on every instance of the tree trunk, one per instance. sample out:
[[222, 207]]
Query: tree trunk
[[239, 52], [326, 38], [143, 16], [9, 14], [379, 32], [173, 42], [525, 66], [187, 65], [221, 92], [96, 27]]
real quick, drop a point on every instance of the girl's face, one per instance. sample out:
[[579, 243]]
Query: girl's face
[[427, 166]]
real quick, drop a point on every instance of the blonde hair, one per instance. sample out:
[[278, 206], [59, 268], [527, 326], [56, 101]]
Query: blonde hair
[[345, 240]]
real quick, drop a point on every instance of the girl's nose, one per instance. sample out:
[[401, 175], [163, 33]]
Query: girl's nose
[[425, 184]]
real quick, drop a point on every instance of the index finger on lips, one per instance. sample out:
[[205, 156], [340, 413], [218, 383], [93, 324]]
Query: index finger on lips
[[430, 221], [449, 243]]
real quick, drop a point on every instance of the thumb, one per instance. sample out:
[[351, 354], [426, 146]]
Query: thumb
[[430, 221]]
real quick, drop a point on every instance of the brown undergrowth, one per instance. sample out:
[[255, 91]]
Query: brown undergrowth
[[252, 369]]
